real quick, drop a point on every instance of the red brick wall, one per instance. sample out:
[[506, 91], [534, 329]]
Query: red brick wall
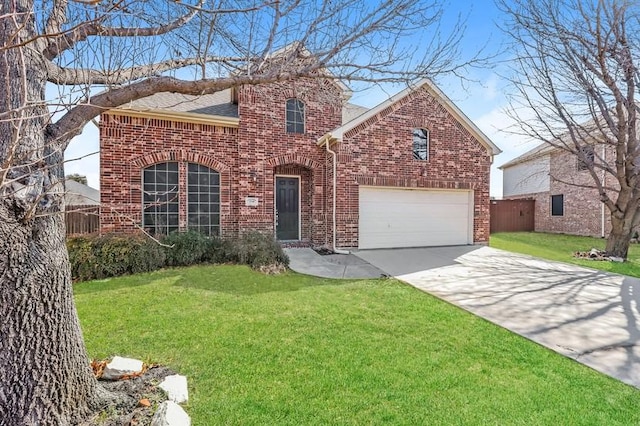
[[128, 144], [381, 154], [249, 157], [267, 148]]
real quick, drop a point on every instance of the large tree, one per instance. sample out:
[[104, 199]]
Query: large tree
[[577, 79], [103, 54]]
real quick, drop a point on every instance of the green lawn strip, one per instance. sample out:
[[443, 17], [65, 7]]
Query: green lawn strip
[[292, 349], [561, 247]]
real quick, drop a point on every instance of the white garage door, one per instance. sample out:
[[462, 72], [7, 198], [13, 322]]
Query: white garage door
[[391, 217]]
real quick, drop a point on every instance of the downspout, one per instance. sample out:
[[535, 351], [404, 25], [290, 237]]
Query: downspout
[[604, 177], [335, 193]]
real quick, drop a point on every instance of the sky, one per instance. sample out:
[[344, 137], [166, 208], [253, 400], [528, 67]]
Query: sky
[[482, 97]]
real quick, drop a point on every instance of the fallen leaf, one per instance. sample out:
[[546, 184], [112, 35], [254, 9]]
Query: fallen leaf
[[98, 367]]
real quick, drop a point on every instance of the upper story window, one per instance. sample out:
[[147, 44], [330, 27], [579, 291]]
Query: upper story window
[[420, 144], [585, 157], [295, 116]]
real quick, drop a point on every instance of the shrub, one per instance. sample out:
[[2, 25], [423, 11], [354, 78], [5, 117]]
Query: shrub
[[110, 256], [94, 257], [188, 248], [81, 257], [221, 250], [256, 249]]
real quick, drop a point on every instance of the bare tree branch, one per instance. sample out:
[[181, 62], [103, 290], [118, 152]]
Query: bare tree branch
[[576, 69], [63, 40]]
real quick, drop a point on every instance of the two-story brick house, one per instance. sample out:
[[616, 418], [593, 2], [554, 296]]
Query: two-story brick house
[[413, 171], [566, 200]]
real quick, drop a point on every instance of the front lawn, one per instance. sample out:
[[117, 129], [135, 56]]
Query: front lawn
[[561, 247], [298, 350]]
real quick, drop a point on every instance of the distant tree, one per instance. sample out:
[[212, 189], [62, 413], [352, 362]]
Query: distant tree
[[101, 54], [77, 177], [576, 70]]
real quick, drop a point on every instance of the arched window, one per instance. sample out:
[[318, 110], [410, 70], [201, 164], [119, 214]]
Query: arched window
[[161, 208], [160, 198], [420, 144], [295, 116]]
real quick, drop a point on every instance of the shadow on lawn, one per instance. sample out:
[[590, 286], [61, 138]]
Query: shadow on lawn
[[237, 280], [243, 281]]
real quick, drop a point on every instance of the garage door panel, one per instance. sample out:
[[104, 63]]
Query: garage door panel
[[391, 217]]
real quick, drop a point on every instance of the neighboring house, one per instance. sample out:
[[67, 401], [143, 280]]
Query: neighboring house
[[413, 171], [82, 208], [78, 194], [558, 181]]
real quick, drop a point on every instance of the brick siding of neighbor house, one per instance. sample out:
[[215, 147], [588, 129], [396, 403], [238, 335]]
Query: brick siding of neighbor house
[[379, 153], [582, 206]]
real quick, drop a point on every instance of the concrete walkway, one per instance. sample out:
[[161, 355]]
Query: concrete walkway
[[590, 316], [307, 261]]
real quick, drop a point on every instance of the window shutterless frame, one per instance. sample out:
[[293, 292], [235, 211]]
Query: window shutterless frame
[[294, 115], [160, 205], [161, 186], [557, 205], [420, 144]]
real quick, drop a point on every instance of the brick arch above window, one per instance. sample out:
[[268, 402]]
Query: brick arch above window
[[294, 159], [152, 158]]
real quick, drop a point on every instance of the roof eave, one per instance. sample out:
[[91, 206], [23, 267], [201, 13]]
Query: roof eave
[[187, 117]]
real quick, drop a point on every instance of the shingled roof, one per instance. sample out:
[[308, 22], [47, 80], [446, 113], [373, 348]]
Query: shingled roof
[[218, 103]]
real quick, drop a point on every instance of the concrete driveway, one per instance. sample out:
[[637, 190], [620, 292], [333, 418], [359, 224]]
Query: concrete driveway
[[590, 316]]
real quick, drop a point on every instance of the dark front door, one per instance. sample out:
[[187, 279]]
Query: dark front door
[[287, 208]]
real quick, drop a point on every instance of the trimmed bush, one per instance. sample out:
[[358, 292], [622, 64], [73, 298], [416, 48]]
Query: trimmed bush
[[94, 257], [187, 248], [256, 250], [111, 256]]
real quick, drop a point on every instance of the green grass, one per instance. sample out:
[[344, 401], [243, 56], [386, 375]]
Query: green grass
[[298, 350], [561, 247]]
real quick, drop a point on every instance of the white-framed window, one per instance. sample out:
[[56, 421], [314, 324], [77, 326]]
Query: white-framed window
[[203, 199], [161, 186], [160, 198], [295, 115], [420, 144]]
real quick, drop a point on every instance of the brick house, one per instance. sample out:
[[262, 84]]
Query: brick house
[[557, 181], [296, 160]]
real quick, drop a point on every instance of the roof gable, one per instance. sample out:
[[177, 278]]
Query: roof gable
[[426, 83], [535, 152]]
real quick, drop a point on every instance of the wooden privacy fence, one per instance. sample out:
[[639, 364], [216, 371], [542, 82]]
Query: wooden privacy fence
[[82, 219], [512, 215]]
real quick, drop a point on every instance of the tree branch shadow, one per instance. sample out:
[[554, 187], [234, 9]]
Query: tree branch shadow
[[579, 312]]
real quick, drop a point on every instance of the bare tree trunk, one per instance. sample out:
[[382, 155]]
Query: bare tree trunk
[[619, 237], [44, 370]]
